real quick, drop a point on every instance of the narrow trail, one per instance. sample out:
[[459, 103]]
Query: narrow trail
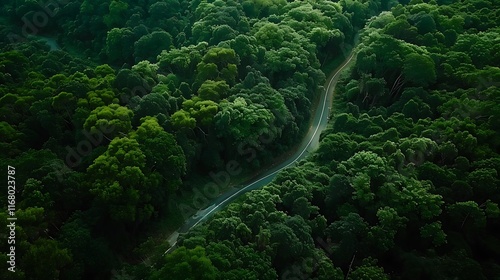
[[308, 144]]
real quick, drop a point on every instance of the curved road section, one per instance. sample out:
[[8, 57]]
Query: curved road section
[[309, 144]]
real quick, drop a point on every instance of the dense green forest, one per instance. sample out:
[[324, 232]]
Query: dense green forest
[[113, 126]]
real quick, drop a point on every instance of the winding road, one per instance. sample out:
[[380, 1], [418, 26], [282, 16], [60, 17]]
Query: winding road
[[309, 144]]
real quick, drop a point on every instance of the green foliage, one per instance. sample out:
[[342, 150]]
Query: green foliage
[[419, 69], [406, 173], [240, 121], [114, 119], [408, 167], [117, 14], [149, 46], [187, 264], [119, 181], [368, 271], [212, 90], [46, 249], [182, 119], [162, 152], [119, 44]]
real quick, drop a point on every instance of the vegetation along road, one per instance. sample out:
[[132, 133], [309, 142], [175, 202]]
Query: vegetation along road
[[308, 144]]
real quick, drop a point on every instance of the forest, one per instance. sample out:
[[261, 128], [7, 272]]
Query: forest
[[113, 113]]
